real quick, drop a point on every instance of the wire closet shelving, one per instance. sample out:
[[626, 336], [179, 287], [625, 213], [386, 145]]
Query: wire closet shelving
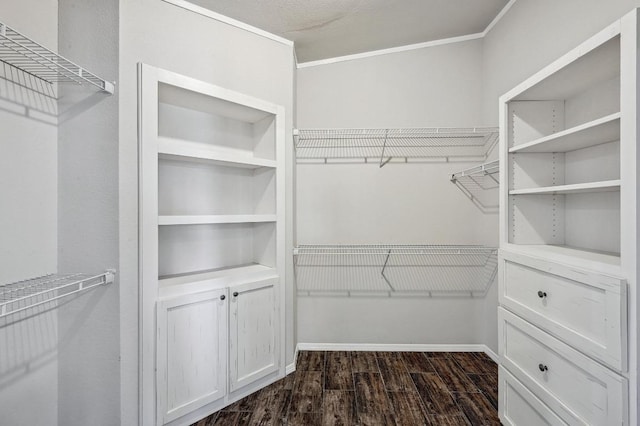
[[384, 145], [480, 184], [22, 295], [19, 51], [394, 270]]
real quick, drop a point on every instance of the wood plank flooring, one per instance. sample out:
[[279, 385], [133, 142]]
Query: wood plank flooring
[[374, 389]]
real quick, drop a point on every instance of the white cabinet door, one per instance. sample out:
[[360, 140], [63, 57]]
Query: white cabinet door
[[253, 337], [191, 352]]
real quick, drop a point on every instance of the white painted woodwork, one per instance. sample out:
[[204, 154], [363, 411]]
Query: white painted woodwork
[[585, 309], [568, 228], [198, 152], [220, 278], [575, 387], [215, 219], [521, 407], [604, 129], [212, 216], [192, 351], [576, 188], [253, 337]]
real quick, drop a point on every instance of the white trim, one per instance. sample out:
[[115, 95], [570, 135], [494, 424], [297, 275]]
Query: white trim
[[385, 347], [498, 17], [230, 21], [391, 50], [490, 353], [292, 367]]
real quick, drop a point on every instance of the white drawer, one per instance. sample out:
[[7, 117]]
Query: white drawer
[[519, 407], [578, 389], [582, 308]]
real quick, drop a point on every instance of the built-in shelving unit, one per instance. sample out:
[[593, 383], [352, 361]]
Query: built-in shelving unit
[[568, 256], [27, 294], [562, 130], [480, 183], [212, 244], [21, 52], [396, 145], [394, 270]]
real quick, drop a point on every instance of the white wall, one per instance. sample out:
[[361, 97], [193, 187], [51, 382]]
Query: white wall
[[28, 224], [89, 332], [399, 203], [169, 37]]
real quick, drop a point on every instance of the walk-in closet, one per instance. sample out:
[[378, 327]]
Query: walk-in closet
[[326, 212]]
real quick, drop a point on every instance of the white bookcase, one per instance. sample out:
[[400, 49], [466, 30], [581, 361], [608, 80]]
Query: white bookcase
[[212, 245], [567, 267]]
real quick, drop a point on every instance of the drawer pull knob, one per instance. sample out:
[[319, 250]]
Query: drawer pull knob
[[542, 367], [542, 294], [223, 297], [235, 294]]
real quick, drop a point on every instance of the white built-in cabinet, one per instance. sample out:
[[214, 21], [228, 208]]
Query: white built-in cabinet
[[567, 264], [212, 245]]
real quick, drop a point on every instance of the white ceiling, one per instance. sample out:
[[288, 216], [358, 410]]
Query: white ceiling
[[329, 28]]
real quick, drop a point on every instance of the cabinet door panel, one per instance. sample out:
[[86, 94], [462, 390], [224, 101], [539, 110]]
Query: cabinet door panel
[[253, 351], [191, 357]]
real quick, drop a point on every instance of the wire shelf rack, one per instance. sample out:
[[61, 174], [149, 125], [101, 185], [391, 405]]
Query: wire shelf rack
[[23, 295], [384, 145], [21, 52], [394, 270], [480, 184]]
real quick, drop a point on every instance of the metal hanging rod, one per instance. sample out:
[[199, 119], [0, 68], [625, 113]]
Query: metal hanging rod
[[23, 295], [394, 270], [480, 184], [385, 145], [34, 59]]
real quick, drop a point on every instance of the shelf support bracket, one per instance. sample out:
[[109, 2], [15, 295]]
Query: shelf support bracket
[[384, 146], [385, 267]]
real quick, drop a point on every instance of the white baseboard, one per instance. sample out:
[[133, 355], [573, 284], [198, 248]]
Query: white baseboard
[[401, 347], [491, 354], [292, 367]]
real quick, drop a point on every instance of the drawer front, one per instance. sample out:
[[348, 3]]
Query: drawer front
[[582, 308], [575, 387], [518, 406]]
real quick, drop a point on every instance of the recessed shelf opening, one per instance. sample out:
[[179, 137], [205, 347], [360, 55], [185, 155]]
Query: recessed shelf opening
[[190, 249], [193, 188], [211, 123]]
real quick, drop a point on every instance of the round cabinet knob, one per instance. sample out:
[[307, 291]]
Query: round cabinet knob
[[542, 367], [223, 297], [542, 294], [235, 294]]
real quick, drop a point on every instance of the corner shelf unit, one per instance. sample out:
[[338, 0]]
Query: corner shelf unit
[[394, 270], [480, 184], [394, 145], [22, 53], [27, 294]]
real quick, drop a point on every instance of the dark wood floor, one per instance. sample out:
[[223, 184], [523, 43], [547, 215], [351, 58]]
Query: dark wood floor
[[374, 388]]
